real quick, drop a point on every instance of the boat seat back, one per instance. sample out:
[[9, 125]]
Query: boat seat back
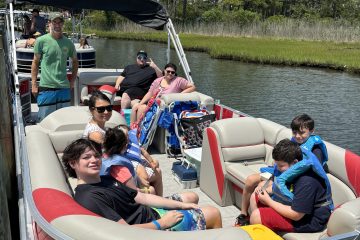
[[240, 142], [342, 167], [90, 79], [74, 118], [233, 149], [203, 99], [45, 168]]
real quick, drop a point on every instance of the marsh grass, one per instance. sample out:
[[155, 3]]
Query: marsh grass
[[334, 31], [343, 56]]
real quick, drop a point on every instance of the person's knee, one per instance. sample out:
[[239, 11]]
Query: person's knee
[[255, 217], [135, 107], [212, 216], [158, 171], [125, 100], [252, 181]]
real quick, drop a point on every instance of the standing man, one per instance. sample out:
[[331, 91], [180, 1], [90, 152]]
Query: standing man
[[136, 79], [53, 49], [38, 23]]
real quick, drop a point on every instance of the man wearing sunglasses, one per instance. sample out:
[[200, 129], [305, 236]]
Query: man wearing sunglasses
[[136, 79]]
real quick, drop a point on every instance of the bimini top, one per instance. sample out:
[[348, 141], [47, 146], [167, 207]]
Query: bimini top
[[147, 13]]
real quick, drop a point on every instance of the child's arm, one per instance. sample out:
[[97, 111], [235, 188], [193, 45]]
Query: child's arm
[[268, 189], [283, 210], [154, 164]]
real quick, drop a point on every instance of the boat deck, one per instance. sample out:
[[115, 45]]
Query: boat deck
[[172, 186]]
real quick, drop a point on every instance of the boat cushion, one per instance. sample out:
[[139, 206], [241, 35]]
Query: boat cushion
[[243, 141], [63, 138], [75, 118], [46, 170], [345, 218]]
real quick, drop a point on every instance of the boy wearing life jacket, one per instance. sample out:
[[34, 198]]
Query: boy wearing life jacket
[[307, 190], [302, 127]]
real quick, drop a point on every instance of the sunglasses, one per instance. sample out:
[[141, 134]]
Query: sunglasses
[[142, 58], [172, 72], [102, 109]]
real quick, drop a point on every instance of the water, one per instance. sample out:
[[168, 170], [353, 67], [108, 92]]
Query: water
[[276, 93]]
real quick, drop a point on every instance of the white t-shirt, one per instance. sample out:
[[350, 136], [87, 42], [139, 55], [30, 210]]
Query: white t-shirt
[[92, 127]]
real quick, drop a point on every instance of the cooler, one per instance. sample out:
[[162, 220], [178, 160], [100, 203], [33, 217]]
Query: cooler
[[184, 174]]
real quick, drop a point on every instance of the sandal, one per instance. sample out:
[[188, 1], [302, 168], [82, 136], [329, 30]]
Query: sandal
[[242, 220]]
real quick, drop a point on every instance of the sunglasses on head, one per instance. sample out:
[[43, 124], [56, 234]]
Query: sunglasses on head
[[102, 109], [172, 72]]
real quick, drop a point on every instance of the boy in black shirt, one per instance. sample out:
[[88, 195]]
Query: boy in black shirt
[[111, 199], [307, 212]]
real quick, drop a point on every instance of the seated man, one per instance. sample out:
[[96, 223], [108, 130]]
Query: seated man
[[136, 79], [38, 23], [111, 199], [311, 203]]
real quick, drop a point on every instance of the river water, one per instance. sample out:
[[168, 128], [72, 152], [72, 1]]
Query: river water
[[276, 93]]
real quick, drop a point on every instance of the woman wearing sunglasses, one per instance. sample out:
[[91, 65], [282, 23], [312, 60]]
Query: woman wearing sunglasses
[[101, 111], [169, 83]]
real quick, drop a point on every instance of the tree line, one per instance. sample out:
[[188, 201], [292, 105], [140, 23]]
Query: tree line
[[244, 11]]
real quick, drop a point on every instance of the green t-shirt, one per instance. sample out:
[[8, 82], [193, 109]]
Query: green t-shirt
[[54, 54]]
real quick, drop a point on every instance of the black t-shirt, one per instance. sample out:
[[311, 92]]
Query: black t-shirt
[[113, 200], [138, 76], [309, 190]]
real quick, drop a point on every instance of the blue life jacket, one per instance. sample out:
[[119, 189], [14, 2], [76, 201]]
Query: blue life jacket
[[310, 143], [147, 123], [313, 141], [282, 194], [116, 160], [133, 151]]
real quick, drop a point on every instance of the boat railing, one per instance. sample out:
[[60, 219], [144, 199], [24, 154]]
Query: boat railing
[[27, 208], [178, 48]]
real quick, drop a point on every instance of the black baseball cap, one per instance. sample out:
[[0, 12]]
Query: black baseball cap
[[141, 54], [35, 10]]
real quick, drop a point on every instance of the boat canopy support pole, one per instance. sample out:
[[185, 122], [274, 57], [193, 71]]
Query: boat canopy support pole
[[168, 49], [179, 49]]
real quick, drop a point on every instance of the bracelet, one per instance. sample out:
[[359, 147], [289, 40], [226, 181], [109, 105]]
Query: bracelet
[[157, 224]]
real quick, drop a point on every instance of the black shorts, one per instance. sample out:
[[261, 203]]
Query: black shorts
[[133, 92]]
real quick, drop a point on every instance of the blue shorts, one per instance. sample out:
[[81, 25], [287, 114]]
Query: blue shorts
[[50, 100], [193, 220]]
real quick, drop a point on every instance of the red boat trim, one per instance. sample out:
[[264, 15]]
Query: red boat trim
[[219, 174], [53, 203], [217, 110], [352, 164], [237, 188], [227, 113]]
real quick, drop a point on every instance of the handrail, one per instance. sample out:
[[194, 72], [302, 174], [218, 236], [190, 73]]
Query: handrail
[[179, 49], [26, 201]]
